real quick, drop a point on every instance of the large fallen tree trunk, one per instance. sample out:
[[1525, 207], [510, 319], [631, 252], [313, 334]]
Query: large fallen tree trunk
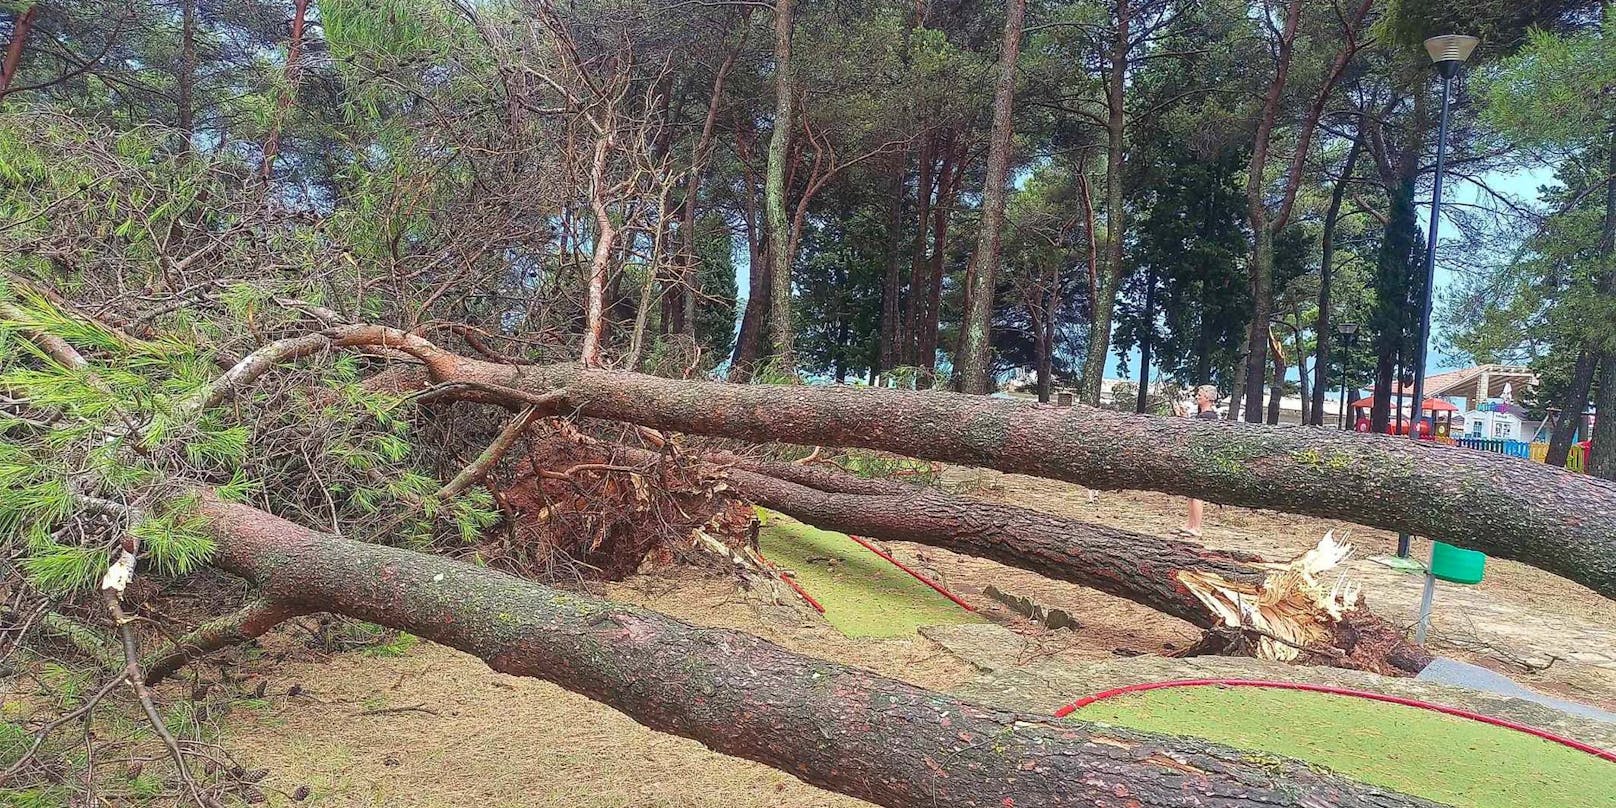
[[1286, 616], [1290, 617], [837, 727], [1550, 518]]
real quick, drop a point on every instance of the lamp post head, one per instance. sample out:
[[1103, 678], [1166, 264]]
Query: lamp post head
[[1348, 330], [1449, 52]]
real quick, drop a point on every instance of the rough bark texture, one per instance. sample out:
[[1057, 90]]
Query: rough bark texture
[[19, 37], [1602, 452], [973, 366], [294, 56], [1324, 328], [892, 282], [1105, 297], [1260, 268], [1553, 519], [1576, 401], [781, 330], [834, 726], [1136, 566], [600, 262]]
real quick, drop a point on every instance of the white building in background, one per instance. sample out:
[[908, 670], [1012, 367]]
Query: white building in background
[[1498, 419]]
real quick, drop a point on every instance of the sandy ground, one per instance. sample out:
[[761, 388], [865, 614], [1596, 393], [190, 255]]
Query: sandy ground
[[434, 727]]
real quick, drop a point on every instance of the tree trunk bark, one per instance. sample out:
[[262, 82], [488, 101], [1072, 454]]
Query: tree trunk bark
[[1602, 452], [1325, 328], [689, 277], [294, 55], [592, 353], [1276, 390], [1103, 304], [1145, 569], [19, 38], [754, 320], [973, 367], [782, 328], [950, 174], [833, 726], [1558, 521], [1145, 339], [1261, 266], [185, 98], [755, 315], [1305, 390], [890, 354], [914, 308], [1565, 427]]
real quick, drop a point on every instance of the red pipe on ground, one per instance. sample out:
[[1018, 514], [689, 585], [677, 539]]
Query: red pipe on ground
[[791, 582], [1341, 691], [917, 576]]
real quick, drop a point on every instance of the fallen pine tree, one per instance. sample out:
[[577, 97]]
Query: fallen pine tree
[[1553, 519], [834, 726]]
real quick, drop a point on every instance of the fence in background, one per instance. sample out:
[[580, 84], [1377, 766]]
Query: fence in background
[[1536, 452]]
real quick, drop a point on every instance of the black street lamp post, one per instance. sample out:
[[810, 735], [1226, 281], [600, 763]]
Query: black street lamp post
[[1349, 335], [1448, 53]]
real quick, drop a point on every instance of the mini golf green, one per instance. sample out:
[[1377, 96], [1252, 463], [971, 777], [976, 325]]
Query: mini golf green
[[1450, 760], [863, 595]]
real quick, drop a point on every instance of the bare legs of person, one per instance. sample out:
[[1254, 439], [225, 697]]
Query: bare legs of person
[[1197, 512]]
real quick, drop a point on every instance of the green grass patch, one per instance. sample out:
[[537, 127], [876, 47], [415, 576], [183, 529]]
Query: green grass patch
[[1453, 761], [863, 595]]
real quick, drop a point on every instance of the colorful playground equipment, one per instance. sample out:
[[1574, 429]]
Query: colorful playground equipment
[[1436, 416]]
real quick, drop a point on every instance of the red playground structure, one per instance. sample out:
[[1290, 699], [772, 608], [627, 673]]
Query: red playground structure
[[1435, 419]]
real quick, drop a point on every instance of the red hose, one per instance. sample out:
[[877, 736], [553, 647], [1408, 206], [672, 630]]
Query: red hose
[[917, 576], [1341, 691], [791, 582]]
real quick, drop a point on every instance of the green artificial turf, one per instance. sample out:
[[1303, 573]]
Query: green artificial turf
[[1449, 760], [863, 595]]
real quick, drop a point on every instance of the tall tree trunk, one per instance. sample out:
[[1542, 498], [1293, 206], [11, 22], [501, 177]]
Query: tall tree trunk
[[1145, 338], [1103, 303], [185, 100], [1301, 367], [1046, 334], [592, 353], [914, 308], [1571, 409], [294, 56], [1276, 391], [653, 271], [890, 353], [782, 328], [1391, 306], [19, 38], [689, 277], [950, 175], [834, 726], [1602, 454], [973, 366], [749, 343], [1261, 266], [1325, 327]]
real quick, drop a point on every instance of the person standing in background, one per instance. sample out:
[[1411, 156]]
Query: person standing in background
[[1206, 399]]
